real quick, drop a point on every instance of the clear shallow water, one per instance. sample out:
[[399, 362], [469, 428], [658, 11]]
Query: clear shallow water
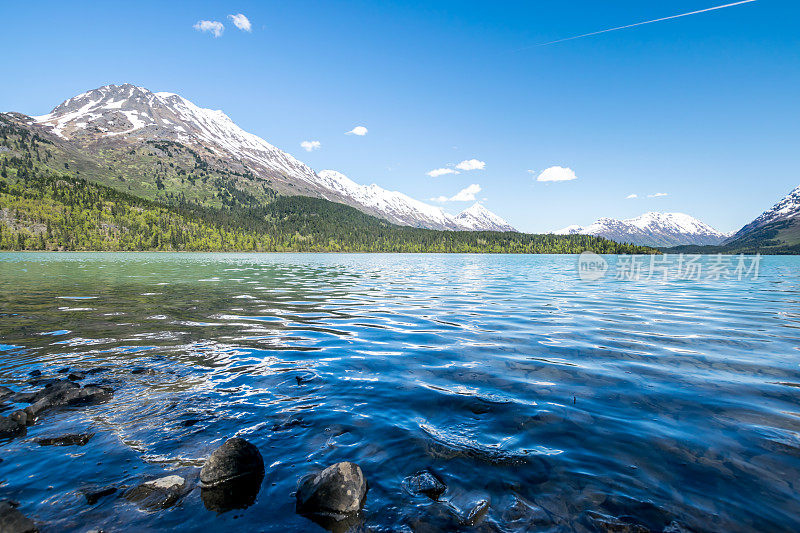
[[556, 400]]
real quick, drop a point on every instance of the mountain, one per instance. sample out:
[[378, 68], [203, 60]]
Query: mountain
[[400, 209], [113, 120], [478, 217], [776, 230], [652, 229], [787, 209]]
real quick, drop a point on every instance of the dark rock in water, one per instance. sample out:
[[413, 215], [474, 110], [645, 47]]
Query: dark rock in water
[[20, 417], [12, 521], [62, 370], [142, 370], [24, 397], [67, 396], [59, 386], [425, 482], [235, 459], [10, 429], [35, 373], [5, 392], [66, 440], [158, 494], [76, 376], [336, 492], [97, 370], [477, 513], [239, 493], [92, 497]]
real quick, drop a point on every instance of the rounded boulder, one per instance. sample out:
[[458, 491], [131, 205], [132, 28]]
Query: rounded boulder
[[235, 459], [338, 491]]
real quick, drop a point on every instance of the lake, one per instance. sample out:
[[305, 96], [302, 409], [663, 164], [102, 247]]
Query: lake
[[566, 404]]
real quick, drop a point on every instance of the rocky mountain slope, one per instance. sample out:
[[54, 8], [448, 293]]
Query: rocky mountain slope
[[776, 230], [786, 209], [652, 229], [125, 124]]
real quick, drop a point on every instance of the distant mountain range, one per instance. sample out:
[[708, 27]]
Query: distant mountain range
[[776, 230], [117, 117], [163, 149], [652, 229]]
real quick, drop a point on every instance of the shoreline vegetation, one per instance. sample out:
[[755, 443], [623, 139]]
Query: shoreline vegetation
[[47, 205]]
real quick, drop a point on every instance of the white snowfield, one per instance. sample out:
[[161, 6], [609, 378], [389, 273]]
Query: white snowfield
[[119, 111]]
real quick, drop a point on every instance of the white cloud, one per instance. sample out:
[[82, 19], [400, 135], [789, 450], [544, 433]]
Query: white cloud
[[471, 164], [358, 130], [212, 26], [464, 195], [310, 146], [556, 174], [657, 195], [631, 196], [468, 194], [241, 22], [435, 173]]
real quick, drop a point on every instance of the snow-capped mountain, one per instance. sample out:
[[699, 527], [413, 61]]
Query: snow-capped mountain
[[478, 217], [788, 208], [398, 208], [652, 229], [126, 114]]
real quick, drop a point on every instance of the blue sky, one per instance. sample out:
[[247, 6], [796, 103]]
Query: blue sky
[[702, 108]]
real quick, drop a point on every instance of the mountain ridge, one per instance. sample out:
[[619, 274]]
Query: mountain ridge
[[119, 114], [652, 229]]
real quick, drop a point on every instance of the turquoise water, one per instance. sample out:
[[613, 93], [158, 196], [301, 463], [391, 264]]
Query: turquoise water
[[566, 404]]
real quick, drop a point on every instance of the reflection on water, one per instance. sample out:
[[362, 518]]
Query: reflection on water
[[542, 403]]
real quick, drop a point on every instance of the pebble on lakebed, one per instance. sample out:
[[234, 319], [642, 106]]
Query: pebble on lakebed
[[337, 492], [231, 477]]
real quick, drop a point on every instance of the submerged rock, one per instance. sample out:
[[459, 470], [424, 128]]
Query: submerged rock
[[337, 492], [76, 376], [20, 417], [477, 513], [67, 394], [94, 496], [239, 493], [158, 494], [66, 440], [10, 428], [5, 392], [425, 482], [235, 459], [13, 521]]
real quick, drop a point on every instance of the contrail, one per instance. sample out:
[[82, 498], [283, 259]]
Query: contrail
[[647, 22]]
